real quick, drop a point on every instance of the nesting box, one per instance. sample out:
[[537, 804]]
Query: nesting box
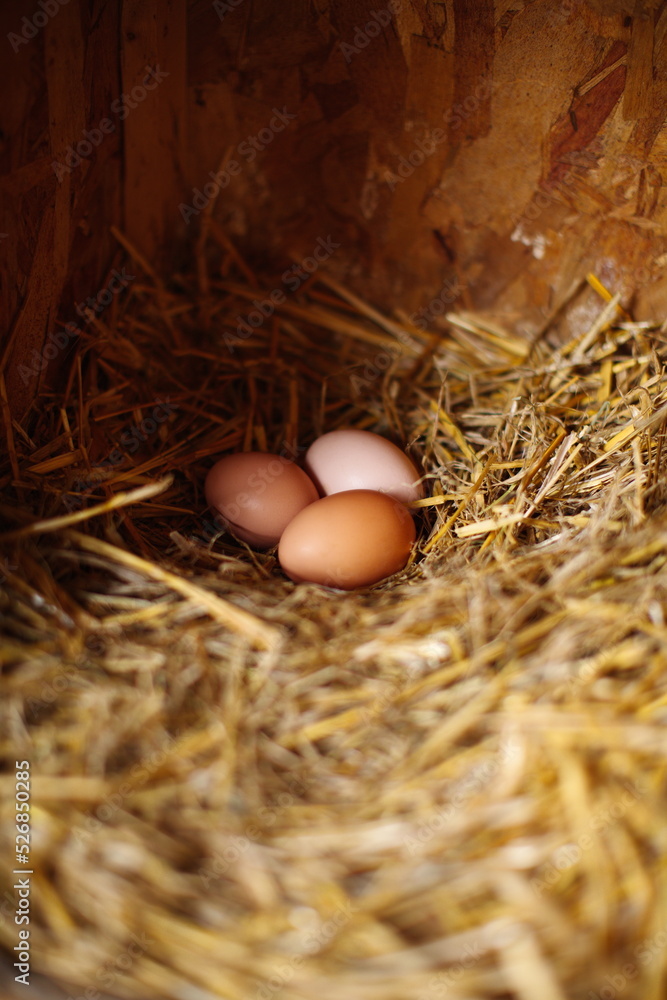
[[236, 225]]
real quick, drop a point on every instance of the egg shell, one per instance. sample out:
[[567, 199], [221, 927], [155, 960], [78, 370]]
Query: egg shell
[[258, 494], [349, 539], [360, 460]]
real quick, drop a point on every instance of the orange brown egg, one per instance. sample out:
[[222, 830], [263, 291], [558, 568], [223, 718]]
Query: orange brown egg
[[347, 540]]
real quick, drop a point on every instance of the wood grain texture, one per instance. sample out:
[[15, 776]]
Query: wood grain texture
[[49, 269], [153, 37], [637, 99], [56, 211], [589, 109], [570, 132], [373, 53]]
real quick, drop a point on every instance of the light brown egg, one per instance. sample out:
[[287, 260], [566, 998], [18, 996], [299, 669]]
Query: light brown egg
[[360, 460], [258, 494], [347, 540]]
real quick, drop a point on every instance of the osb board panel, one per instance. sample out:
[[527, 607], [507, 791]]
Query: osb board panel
[[321, 174], [508, 148], [551, 165]]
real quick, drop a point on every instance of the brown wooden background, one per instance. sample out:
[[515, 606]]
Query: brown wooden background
[[550, 161]]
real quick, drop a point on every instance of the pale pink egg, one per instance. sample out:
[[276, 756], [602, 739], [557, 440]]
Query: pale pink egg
[[360, 460]]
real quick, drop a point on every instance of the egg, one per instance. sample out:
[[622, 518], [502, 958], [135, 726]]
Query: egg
[[258, 494], [360, 460], [349, 539]]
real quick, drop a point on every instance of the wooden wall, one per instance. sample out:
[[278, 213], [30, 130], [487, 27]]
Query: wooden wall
[[485, 153], [86, 146]]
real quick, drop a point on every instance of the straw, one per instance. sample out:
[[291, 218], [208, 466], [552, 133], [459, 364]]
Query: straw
[[450, 783]]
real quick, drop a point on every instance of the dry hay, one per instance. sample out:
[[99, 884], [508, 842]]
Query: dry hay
[[448, 784]]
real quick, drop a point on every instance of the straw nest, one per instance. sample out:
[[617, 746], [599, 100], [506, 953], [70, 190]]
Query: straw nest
[[451, 783]]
